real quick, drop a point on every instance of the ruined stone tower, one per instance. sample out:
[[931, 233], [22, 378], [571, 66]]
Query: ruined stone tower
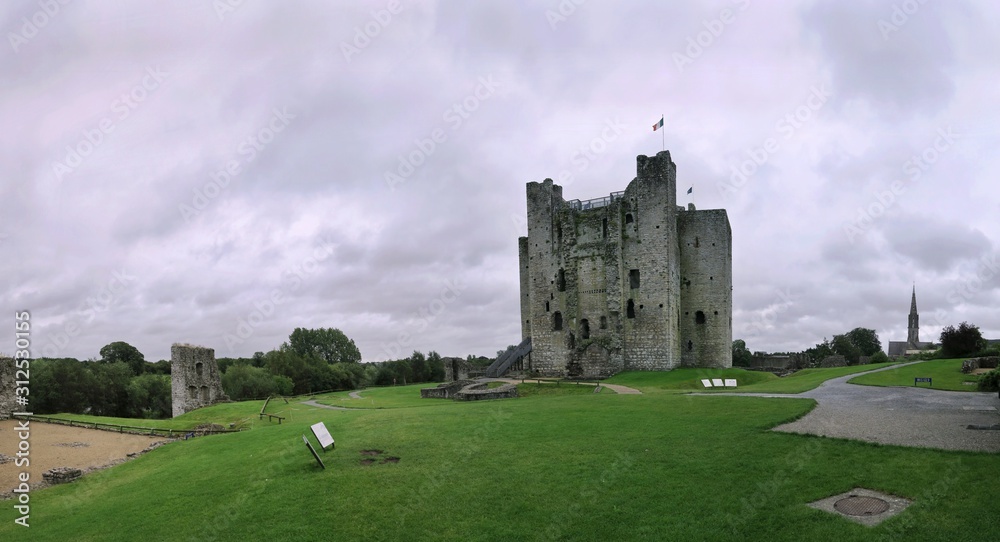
[[194, 378], [629, 281]]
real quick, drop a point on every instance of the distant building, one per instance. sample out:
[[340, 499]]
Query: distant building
[[912, 344]]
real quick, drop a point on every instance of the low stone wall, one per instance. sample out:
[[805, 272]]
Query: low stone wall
[[479, 392], [972, 364], [61, 475], [446, 390], [833, 361]]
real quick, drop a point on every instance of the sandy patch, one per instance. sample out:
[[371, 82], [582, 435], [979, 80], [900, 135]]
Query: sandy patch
[[55, 445]]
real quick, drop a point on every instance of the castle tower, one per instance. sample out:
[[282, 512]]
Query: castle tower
[[629, 281], [194, 378], [913, 326]]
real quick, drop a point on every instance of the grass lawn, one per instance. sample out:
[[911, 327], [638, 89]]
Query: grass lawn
[[945, 374], [387, 397], [243, 414], [602, 466], [749, 381]]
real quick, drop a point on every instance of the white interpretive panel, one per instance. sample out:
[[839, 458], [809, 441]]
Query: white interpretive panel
[[730, 382], [706, 382], [322, 435]]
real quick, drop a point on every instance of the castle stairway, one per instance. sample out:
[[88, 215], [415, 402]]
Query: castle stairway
[[506, 360]]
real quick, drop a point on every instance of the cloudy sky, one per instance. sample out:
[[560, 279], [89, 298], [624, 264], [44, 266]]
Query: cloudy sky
[[196, 171]]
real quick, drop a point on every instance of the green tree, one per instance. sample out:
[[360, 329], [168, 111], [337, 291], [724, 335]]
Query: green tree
[[327, 344], [820, 351], [109, 395], [149, 396], [842, 345], [964, 340], [123, 352], [741, 354], [866, 340]]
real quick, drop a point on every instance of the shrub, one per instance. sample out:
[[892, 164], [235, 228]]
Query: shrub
[[990, 381]]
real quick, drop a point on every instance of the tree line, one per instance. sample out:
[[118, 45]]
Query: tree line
[[966, 340], [121, 383]]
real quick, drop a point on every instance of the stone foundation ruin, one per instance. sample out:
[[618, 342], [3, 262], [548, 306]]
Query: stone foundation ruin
[[195, 381]]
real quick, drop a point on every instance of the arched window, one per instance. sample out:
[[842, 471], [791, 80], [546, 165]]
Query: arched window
[[690, 346], [557, 321], [584, 329], [630, 309], [628, 218], [699, 317]]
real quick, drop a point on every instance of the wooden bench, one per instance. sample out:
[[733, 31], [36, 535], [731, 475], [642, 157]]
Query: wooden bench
[[271, 417]]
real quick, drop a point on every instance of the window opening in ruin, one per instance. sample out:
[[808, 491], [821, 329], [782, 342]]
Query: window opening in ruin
[[192, 392], [604, 228], [552, 296], [633, 278], [557, 321], [699, 317], [628, 218], [716, 313], [559, 233], [604, 322], [197, 368], [546, 306], [572, 341], [585, 329], [204, 393], [630, 309], [696, 242], [561, 280], [690, 346]]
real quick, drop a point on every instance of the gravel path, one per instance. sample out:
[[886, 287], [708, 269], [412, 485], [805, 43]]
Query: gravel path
[[904, 416], [313, 403]]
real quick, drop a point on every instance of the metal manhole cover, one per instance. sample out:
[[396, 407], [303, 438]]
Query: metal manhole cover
[[861, 506]]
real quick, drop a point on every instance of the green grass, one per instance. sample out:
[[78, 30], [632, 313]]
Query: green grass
[[945, 374], [388, 397], [243, 414], [602, 466], [749, 381], [529, 389]]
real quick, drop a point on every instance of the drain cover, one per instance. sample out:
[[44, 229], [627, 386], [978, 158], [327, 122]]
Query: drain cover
[[861, 506]]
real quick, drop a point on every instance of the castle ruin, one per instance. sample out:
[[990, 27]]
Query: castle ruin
[[626, 282], [194, 378]]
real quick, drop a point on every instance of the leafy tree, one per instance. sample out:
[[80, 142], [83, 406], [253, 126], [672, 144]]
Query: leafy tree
[[842, 345], [435, 367], [109, 395], [866, 340], [149, 396], [741, 354], [879, 357], [60, 385], [123, 352], [964, 340], [820, 351], [243, 381], [327, 344]]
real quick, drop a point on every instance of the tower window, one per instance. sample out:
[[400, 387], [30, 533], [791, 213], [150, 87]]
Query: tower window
[[630, 309], [604, 322], [628, 218], [561, 280], [557, 321], [690, 346], [546, 306], [604, 228], [198, 368], [633, 278], [585, 328], [699, 317]]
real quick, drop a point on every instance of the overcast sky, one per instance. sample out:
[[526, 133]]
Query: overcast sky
[[188, 171]]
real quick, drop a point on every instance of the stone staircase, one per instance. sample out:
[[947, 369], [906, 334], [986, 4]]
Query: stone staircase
[[506, 360]]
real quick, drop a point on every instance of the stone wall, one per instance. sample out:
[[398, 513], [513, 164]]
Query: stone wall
[[835, 360], [7, 387], [455, 369], [603, 281], [446, 390], [479, 392], [195, 380], [972, 364]]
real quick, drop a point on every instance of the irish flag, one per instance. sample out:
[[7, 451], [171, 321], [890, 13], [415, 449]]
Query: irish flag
[[658, 125]]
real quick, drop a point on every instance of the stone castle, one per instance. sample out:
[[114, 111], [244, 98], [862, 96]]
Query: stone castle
[[626, 282]]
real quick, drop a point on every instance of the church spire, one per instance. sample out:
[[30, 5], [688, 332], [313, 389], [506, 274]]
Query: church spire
[[913, 325]]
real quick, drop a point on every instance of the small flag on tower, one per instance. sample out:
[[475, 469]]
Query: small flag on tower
[[658, 125], [690, 189]]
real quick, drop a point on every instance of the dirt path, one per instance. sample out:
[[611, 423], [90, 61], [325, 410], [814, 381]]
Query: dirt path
[[355, 395], [53, 445], [313, 403]]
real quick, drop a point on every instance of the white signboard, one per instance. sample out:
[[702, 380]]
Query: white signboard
[[322, 435], [717, 382], [705, 382], [730, 382]]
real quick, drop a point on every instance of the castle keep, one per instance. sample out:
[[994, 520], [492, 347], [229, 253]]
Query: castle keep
[[195, 380], [626, 282]]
